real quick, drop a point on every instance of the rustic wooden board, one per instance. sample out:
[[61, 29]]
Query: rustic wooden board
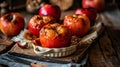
[[109, 52], [96, 55], [106, 52], [5, 43], [114, 35], [77, 56]]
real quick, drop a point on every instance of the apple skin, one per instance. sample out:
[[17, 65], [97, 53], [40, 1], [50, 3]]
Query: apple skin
[[22, 45], [55, 36], [78, 24], [12, 23], [37, 22], [96, 4], [50, 10], [91, 13]]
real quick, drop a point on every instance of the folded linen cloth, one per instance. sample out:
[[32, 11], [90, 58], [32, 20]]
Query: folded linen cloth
[[13, 61]]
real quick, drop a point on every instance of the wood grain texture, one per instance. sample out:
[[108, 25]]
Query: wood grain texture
[[106, 52], [5, 43], [96, 58], [114, 35]]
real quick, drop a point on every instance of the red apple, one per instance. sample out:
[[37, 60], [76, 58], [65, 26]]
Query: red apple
[[96, 4], [37, 22], [55, 36], [91, 13], [22, 44], [12, 23], [50, 10], [78, 24]]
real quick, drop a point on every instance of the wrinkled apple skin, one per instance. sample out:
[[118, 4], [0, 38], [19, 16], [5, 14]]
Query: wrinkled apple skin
[[55, 36], [37, 22], [96, 4], [11, 24], [50, 10], [78, 24], [91, 13]]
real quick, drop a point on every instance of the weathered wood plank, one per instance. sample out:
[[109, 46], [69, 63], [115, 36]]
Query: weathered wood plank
[[87, 64], [108, 52], [111, 43], [95, 57], [5, 43], [114, 35]]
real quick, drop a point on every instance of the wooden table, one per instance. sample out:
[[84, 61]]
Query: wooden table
[[105, 52]]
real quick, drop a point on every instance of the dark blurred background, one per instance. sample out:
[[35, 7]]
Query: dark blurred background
[[14, 5]]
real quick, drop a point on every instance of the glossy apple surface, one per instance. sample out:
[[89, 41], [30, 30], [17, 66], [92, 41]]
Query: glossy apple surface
[[91, 13], [22, 44], [78, 24], [50, 10], [55, 36], [37, 22], [96, 4], [11, 24]]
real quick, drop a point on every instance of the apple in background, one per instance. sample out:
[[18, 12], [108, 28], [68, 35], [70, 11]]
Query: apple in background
[[96, 4], [37, 22], [50, 10], [55, 36], [12, 23], [78, 24], [91, 13]]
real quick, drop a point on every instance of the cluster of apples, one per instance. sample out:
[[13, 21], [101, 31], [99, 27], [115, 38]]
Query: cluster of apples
[[51, 33], [47, 28], [46, 25], [57, 35]]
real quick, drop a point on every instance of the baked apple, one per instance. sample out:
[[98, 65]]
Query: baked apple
[[90, 12], [12, 23], [78, 24], [37, 22], [55, 36]]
